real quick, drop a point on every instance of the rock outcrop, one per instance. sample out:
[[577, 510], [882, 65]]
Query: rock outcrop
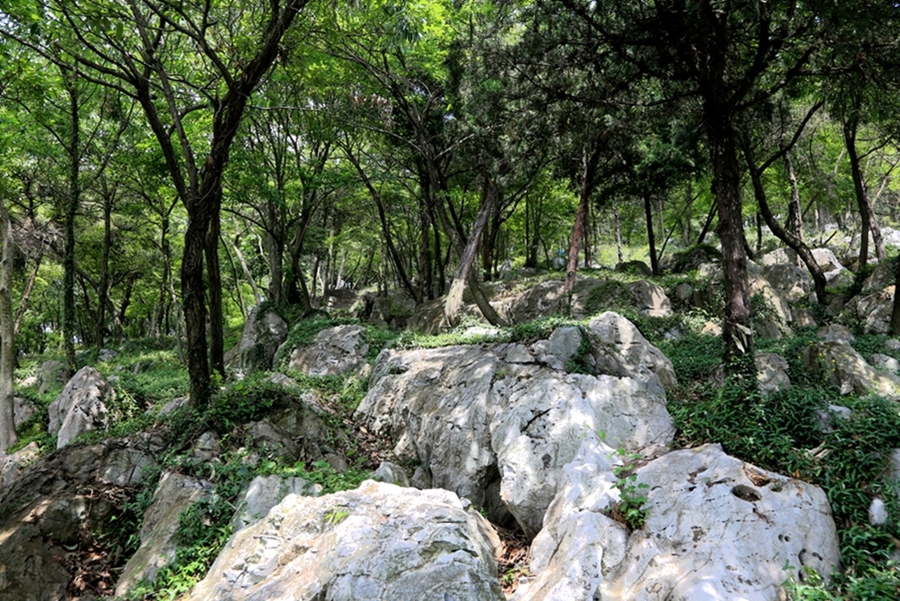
[[715, 528], [497, 423], [379, 542], [81, 406], [174, 494], [335, 351], [264, 331]]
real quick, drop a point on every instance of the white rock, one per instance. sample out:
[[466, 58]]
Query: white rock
[[264, 493], [174, 494], [842, 366], [836, 332], [878, 513], [81, 406], [378, 543], [717, 528], [546, 421], [885, 362], [335, 351], [391, 473], [623, 350], [579, 544], [650, 299]]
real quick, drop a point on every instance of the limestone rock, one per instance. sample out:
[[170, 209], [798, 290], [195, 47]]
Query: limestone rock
[[30, 570], [436, 405], [636, 267], [335, 351], [795, 282], [174, 494], [650, 299], [827, 260], [884, 362], [775, 300], [546, 420], [881, 277], [52, 373], [105, 354], [80, 407], [496, 424], [264, 493], [579, 544], [379, 542], [875, 310], [842, 365], [264, 332], [771, 373], [560, 348], [23, 410], [206, 448], [126, 466], [836, 332], [780, 256], [718, 528], [12, 465], [391, 473], [623, 349], [691, 259]]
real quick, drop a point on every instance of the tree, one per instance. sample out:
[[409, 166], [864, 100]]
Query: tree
[[178, 61], [728, 56]]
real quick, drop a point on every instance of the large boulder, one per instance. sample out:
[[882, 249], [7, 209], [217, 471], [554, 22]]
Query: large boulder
[[335, 351], [264, 332], [650, 299], [497, 423], [715, 528], [793, 281], [840, 364], [174, 493], [690, 259], [436, 405], [81, 406], [827, 260], [379, 542], [579, 544], [621, 350], [874, 310], [264, 493], [31, 570], [52, 373], [780, 256], [546, 420], [771, 373]]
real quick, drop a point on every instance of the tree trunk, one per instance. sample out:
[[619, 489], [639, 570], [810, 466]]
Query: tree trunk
[[795, 214], [788, 237], [895, 308], [103, 284], [618, 225], [26, 294], [867, 216], [257, 297], [462, 273], [589, 159], [737, 332], [275, 254], [71, 207], [7, 336], [651, 239]]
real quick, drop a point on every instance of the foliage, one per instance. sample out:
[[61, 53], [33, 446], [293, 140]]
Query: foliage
[[632, 496]]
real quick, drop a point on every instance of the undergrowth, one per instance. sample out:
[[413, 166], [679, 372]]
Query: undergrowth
[[794, 432]]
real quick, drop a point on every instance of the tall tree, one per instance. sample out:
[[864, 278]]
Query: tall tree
[[728, 56], [178, 60]]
